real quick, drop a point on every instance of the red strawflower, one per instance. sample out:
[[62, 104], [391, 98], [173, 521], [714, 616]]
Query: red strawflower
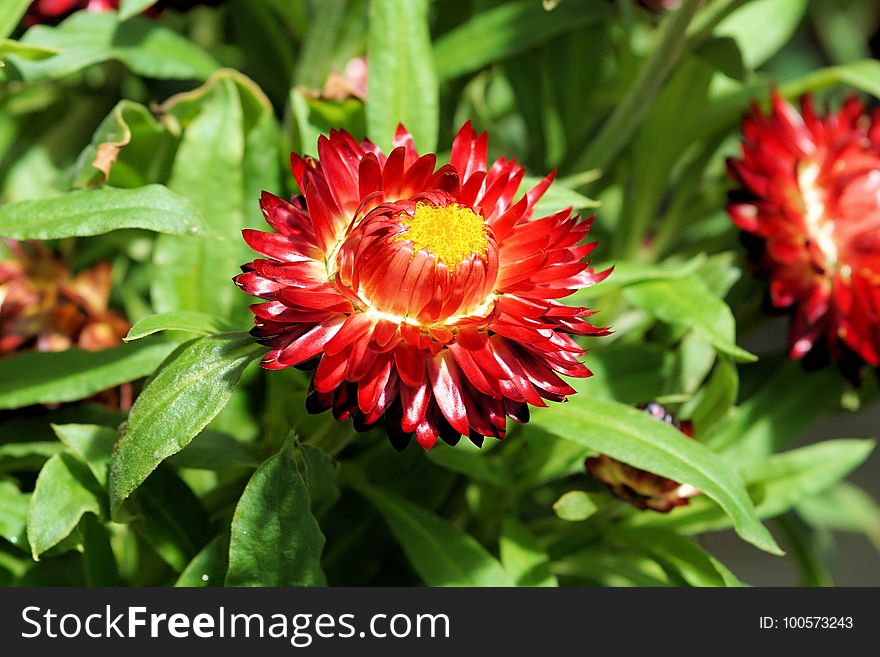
[[426, 300], [641, 488], [46, 11], [811, 196]]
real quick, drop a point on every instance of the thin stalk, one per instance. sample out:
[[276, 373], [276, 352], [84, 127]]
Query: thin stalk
[[631, 111]]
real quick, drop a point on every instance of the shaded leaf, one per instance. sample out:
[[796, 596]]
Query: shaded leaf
[[65, 490], [208, 567], [441, 553], [522, 556], [276, 540], [575, 505], [91, 443]]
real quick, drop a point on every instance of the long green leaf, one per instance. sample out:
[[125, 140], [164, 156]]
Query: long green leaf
[[778, 484], [224, 159], [441, 553], [145, 46], [507, 30], [276, 540], [402, 85], [91, 443], [631, 436], [687, 302], [95, 212], [48, 378], [190, 389]]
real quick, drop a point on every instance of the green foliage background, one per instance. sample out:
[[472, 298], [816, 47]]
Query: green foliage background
[[218, 476]]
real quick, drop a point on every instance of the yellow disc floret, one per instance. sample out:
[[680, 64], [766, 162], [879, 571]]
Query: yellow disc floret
[[451, 233]]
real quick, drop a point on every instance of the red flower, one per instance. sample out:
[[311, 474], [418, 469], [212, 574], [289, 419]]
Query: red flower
[[641, 488], [811, 196], [425, 299], [44, 11]]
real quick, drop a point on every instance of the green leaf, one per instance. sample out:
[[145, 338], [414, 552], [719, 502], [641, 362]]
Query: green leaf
[[319, 475], [522, 556], [402, 85], [506, 30], [190, 389], [682, 556], [130, 8], [631, 374], [687, 302], [99, 562], [129, 149], [714, 400], [844, 507], [95, 212], [787, 404], [171, 517], [631, 436], [11, 13], [65, 490], [54, 377], [321, 40], [145, 46], [30, 455], [723, 55], [575, 505], [220, 121], [35, 53], [276, 540], [557, 197], [316, 116], [181, 320], [91, 443], [441, 553], [208, 567], [776, 22], [472, 463], [777, 484], [215, 451], [13, 514]]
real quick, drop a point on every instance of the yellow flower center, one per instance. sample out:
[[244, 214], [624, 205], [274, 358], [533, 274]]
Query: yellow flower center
[[452, 233]]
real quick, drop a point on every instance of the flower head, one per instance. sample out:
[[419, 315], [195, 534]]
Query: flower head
[[45, 308], [425, 298], [640, 488], [809, 200]]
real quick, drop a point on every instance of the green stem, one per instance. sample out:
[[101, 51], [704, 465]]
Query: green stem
[[631, 111]]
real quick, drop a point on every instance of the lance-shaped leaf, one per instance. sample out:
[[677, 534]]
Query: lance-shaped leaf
[[631, 436], [181, 320], [688, 302], [441, 553], [53, 377], [146, 47], [402, 85], [190, 389], [95, 212]]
